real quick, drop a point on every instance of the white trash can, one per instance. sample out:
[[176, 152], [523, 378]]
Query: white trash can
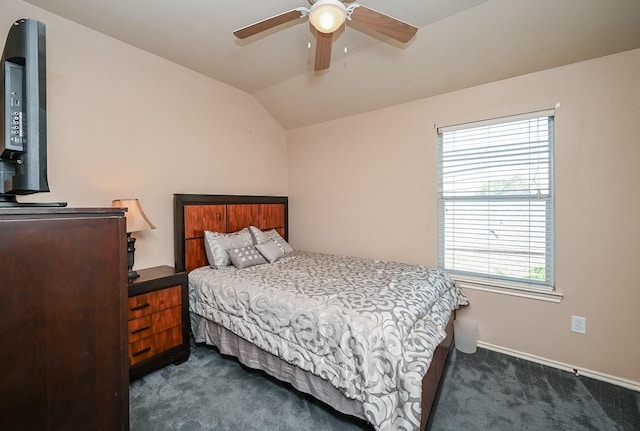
[[466, 335]]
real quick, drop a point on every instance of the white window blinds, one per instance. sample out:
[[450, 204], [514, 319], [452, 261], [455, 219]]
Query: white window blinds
[[496, 199]]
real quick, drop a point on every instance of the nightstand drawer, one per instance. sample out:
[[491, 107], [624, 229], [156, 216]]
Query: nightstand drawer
[[157, 343], [148, 303], [153, 323]]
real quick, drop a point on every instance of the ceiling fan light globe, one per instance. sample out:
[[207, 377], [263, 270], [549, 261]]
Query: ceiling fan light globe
[[327, 15]]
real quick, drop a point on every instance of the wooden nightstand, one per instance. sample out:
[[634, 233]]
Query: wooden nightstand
[[158, 311]]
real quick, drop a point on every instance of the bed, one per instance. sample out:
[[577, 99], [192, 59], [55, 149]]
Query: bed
[[364, 336]]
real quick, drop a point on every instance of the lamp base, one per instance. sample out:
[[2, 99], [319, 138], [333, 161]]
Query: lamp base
[[131, 249]]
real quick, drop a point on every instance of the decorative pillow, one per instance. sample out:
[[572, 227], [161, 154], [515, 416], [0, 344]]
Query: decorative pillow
[[244, 257], [271, 250], [275, 236], [257, 235], [216, 245]]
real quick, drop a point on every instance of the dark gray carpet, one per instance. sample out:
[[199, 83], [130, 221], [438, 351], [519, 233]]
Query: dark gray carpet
[[492, 391], [481, 391]]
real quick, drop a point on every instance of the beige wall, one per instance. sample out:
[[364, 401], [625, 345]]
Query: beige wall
[[367, 185], [124, 123]]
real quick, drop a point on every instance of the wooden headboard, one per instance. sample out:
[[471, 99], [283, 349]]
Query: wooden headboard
[[193, 214]]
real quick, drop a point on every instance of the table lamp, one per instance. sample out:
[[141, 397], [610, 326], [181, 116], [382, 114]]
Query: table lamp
[[136, 221]]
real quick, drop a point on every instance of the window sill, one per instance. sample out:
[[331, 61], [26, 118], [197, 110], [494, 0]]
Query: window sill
[[505, 288]]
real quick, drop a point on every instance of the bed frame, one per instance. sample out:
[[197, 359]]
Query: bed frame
[[195, 213]]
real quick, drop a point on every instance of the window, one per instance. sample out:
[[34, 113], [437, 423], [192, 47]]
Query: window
[[496, 200]]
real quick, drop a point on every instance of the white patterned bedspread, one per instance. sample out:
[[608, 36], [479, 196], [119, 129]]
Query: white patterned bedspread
[[368, 327]]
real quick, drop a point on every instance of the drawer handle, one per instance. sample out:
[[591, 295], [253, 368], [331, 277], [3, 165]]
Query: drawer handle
[[140, 307], [141, 351], [137, 331]]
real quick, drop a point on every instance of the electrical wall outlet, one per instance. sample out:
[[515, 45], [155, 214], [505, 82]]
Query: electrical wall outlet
[[579, 324]]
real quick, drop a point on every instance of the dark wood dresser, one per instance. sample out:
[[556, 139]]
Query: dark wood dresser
[[158, 320], [63, 295]]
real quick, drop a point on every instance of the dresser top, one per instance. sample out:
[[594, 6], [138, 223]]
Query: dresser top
[[52, 212]]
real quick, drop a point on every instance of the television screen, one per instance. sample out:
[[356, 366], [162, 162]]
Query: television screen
[[23, 109]]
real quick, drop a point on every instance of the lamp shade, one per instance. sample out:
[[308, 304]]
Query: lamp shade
[[327, 15], [136, 218]]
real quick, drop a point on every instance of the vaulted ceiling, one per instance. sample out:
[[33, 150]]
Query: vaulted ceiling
[[459, 43]]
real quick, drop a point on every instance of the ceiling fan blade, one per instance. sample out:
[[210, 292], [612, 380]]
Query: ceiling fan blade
[[269, 23], [323, 50], [389, 26]]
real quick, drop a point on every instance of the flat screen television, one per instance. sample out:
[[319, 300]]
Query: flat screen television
[[23, 110]]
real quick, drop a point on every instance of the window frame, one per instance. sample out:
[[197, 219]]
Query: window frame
[[491, 282]]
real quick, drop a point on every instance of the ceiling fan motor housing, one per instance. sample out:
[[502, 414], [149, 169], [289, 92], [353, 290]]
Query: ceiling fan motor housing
[[327, 15]]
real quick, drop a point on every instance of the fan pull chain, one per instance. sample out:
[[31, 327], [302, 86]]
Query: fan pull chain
[[345, 38], [344, 63], [309, 59]]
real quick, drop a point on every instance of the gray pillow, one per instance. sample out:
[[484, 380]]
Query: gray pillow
[[275, 236], [244, 257], [257, 235], [216, 245], [270, 250]]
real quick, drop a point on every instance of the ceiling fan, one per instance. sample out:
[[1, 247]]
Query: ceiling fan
[[327, 16]]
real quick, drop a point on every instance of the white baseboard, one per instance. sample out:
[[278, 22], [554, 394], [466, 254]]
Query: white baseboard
[[629, 384]]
